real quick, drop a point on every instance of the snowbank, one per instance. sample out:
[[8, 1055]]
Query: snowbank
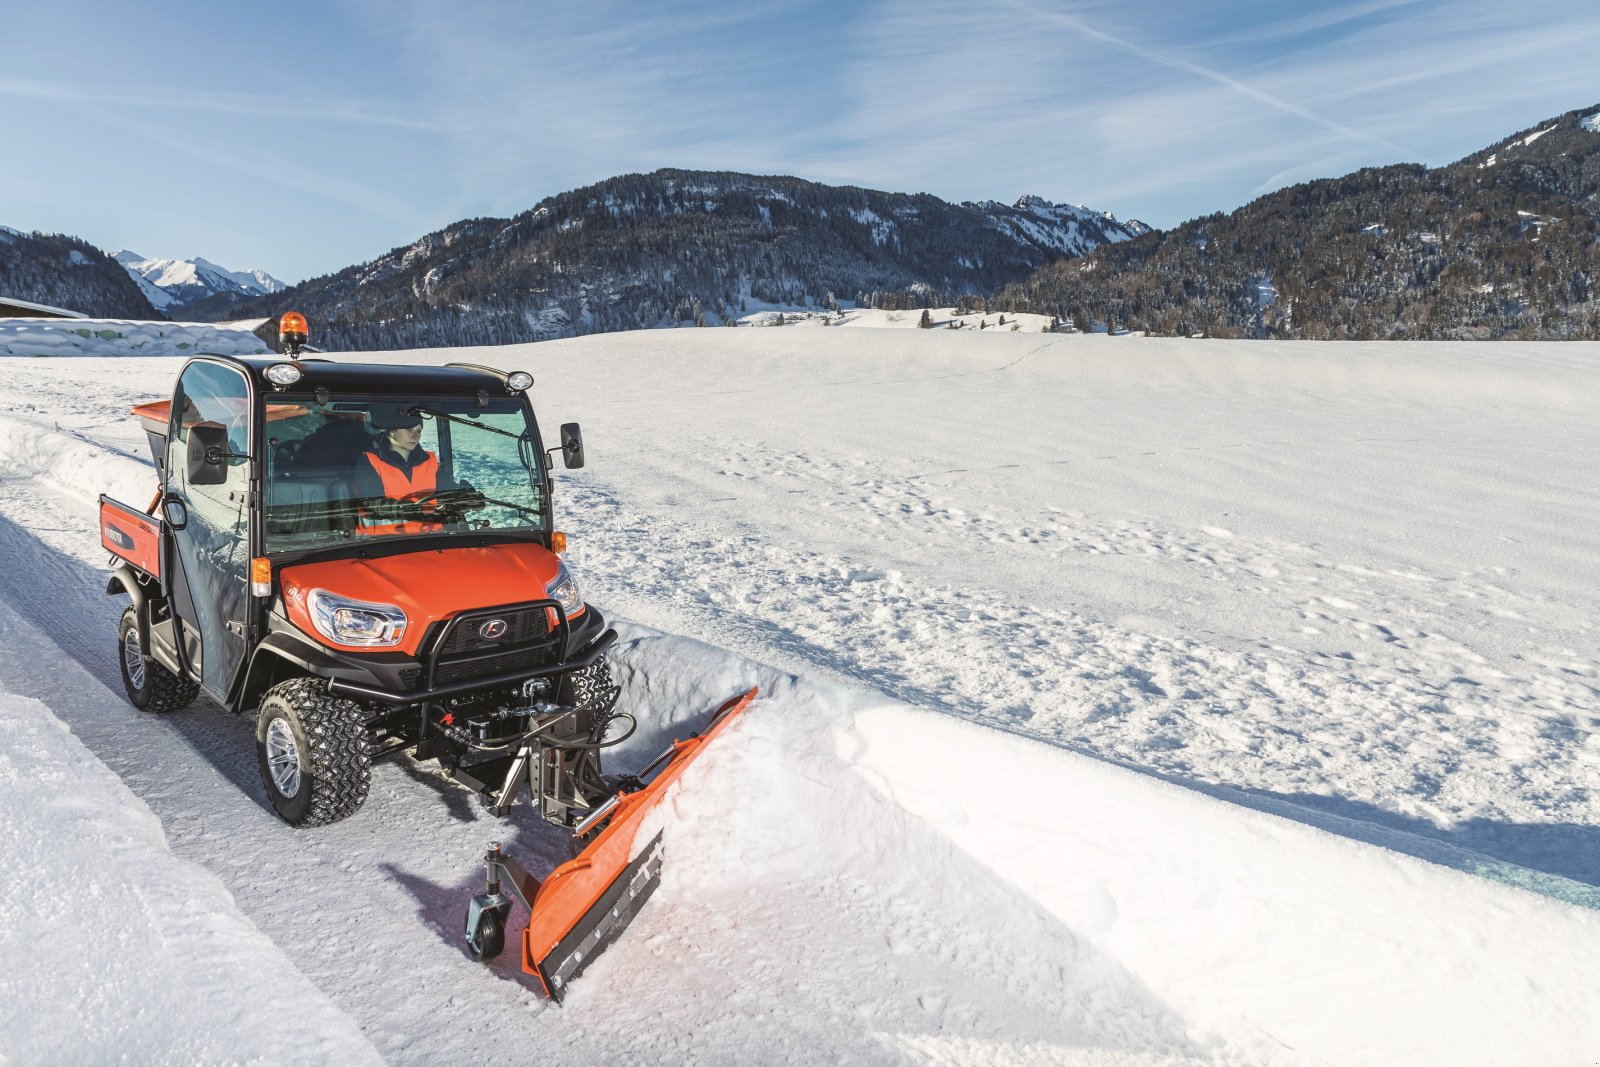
[[114, 950], [76, 466], [124, 337]]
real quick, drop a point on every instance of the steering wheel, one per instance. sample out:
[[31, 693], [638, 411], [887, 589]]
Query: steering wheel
[[448, 507]]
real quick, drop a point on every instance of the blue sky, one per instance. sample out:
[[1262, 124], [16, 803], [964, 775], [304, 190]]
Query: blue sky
[[303, 137]]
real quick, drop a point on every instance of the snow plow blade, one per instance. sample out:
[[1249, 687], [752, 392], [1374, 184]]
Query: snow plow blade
[[586, 903]]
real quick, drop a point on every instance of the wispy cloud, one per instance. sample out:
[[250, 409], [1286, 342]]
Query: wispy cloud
[[220, 103], [298, 178], [1271, 30], [1177, 62]]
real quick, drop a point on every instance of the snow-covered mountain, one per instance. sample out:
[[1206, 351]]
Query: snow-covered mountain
[[687, 246], [1071, 229], [175, 284]]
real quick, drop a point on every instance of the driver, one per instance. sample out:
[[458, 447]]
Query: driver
[[397, 480]]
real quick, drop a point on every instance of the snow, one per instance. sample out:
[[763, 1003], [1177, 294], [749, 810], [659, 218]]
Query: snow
[[118, 950], [1535, 135], [1125, 700], [124, 337], [1592, 123], [879, 319]]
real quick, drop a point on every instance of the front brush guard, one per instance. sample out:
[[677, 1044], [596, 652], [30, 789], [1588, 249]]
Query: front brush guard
[[586, 903]]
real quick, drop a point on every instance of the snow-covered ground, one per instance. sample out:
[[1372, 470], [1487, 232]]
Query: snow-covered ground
[[1125, 701]]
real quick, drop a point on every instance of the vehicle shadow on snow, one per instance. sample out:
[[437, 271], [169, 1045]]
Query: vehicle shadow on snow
[[441, 906]]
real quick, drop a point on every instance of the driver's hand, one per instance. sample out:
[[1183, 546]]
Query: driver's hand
[[422, 513], [469, 499]]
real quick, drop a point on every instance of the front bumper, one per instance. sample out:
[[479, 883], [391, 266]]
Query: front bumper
[[398, 679]]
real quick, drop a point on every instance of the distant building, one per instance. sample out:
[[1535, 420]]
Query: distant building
[[266, 329], [11, 308]]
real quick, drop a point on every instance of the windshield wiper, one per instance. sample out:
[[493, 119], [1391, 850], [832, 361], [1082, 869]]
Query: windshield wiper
[[535, 512], [465, 422]]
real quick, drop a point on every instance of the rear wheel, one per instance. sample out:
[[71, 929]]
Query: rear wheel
[[150, 686], [312, 751]]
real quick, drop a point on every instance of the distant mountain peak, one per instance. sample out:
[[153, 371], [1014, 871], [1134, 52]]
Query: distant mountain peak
[[176, 284]]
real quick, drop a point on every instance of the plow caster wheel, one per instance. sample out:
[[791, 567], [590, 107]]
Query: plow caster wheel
[[486, 932]]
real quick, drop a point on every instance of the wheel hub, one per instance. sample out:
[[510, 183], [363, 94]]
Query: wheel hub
[[133, 658], [283, 758]]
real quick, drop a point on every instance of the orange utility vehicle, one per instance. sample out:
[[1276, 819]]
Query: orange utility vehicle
[[364, 556]]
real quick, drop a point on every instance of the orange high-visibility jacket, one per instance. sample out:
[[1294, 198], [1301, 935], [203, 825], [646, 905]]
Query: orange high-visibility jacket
[[398, 485]]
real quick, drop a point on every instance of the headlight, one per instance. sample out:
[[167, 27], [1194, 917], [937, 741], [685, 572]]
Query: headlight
[[282, 374], [352, 622], [564, 591], [519, 380]]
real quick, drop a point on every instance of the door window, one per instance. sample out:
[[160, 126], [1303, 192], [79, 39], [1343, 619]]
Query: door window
[[214, 548]]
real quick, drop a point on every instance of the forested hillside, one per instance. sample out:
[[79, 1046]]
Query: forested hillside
[[65, 272], [1502, 244], [689, 247]]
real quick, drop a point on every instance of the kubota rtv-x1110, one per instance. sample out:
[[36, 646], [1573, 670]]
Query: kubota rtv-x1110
[[364, 556]]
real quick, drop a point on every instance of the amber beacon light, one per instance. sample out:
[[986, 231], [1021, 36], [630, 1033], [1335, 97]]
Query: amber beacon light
[[292, 333]]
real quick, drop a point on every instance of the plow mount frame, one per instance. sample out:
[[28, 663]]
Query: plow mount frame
[[585, 904]]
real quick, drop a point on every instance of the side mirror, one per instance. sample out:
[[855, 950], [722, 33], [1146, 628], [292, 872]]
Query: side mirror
[[175, 512], [571, 445], [208, 454]]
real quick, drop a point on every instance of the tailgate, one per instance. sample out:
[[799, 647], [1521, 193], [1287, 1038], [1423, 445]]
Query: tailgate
[[131, 534]]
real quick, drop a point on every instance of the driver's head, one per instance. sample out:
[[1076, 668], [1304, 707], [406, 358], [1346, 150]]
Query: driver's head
[[405, 438], [402, 429]]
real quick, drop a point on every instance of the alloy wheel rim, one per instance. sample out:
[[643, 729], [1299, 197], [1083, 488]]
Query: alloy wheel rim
[[283, 758], [133, 659]]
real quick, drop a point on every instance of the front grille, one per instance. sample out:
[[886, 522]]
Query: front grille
[[522, 626], [460, 652], [514, 660]]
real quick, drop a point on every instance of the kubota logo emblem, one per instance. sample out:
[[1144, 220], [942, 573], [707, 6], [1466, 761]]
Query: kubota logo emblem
[[492, 630]]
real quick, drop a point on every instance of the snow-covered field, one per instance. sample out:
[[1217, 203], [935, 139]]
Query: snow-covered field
[[1125, 701]]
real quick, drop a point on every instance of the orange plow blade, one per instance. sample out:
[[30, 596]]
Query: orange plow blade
[[586, 903]]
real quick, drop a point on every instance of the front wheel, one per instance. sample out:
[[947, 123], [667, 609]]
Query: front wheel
[[312, 750], [149, 685]]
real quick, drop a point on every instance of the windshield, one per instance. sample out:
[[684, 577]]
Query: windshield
[[350, 468]]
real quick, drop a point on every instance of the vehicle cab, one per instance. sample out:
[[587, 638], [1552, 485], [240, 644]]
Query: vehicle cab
[[383, 529]]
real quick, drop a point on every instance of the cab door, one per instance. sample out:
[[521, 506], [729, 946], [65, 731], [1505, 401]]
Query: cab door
[[211, 416]]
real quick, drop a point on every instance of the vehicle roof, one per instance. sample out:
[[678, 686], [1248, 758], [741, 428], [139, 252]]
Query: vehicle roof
[[405, 378]]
